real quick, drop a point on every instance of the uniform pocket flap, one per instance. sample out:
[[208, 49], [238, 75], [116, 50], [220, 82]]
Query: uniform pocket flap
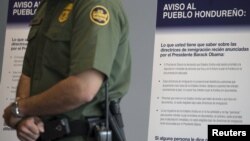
[[32, 33]]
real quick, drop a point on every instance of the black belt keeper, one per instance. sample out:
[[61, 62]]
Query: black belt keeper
[[78, 128]]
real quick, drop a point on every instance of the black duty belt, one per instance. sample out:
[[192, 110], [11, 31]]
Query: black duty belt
[[59, 128]]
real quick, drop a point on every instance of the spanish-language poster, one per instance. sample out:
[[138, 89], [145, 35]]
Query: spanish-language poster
[[19, 15], [201, 68]]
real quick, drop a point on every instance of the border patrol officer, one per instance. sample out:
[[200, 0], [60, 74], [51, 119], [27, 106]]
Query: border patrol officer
[[73, 47]]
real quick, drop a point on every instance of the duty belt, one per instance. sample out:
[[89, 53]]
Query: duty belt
[[59, 128]]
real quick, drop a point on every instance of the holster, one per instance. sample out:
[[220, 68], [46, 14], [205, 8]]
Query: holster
[[116, 122]]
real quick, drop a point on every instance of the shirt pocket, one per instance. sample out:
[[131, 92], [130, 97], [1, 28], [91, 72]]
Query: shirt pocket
[[56, 51], [30, 54]]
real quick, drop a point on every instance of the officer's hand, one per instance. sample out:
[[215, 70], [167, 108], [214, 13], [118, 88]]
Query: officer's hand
[[29, 129], [9, 118]]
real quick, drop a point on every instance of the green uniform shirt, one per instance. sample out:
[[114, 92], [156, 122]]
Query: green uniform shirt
[[68, 37]]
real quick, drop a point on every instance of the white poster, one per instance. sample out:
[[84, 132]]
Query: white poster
[[19, 15], [201, 68]]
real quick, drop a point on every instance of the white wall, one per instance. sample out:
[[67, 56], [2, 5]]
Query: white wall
[[3, 19], [135, 106]]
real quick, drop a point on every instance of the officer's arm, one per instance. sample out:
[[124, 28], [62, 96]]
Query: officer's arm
[[68, 94], [23, 91], [23, 88]]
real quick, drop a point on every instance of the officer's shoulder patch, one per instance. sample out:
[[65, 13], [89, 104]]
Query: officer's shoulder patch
[[99, 15]]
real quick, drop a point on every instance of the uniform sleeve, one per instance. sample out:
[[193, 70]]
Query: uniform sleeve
[[96, 33]]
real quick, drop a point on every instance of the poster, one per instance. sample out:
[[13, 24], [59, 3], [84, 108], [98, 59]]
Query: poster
[[201, 68], [19, 15]]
